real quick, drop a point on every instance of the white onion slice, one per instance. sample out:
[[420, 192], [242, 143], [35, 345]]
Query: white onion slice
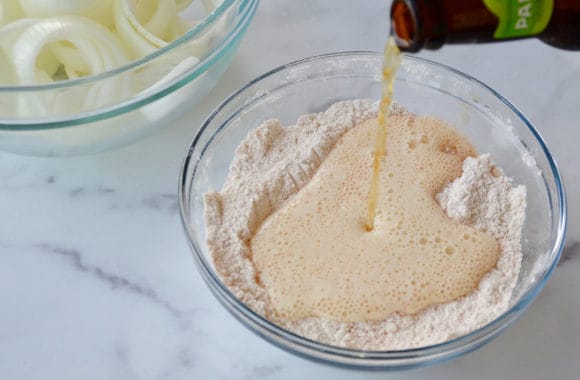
[[154, 70], [101, 49], [135, 42], [160, 108], [74, 63], [10, 33], [105, 92], [203, 43], [7, 75], [8, 36], [143, 26], [182, 4], [129, 10], [160, 22], [8, 104], [97, 46], [48, 62], [67, 39], [179, 69], [9, 11], [98, 10], [43, 8]]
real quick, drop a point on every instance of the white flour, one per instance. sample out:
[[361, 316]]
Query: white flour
[[273, 163]]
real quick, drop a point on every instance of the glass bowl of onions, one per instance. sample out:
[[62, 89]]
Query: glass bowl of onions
[[82, 76]]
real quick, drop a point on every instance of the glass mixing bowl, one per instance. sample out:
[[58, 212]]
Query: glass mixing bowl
[[95, 113], [423, 87]]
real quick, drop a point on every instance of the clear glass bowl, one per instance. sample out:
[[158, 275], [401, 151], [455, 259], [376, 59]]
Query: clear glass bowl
[[423, 87], [47, 120]]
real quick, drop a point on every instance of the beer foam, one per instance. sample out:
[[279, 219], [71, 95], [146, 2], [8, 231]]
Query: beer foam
[[274, 162], [316, 259]]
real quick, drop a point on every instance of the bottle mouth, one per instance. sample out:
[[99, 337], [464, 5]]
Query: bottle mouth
[[404, 26], [411, 30]]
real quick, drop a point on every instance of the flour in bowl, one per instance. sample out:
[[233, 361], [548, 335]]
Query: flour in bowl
[[274, 163]]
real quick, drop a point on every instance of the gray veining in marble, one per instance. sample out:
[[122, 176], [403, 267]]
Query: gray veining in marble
[[97, 280]]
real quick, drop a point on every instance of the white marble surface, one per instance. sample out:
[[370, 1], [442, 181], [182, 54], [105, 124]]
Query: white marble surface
[[97, 281]]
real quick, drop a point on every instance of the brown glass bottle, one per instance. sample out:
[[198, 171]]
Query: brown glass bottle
[[418, 24]]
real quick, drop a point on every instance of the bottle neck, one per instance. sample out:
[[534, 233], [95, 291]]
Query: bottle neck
[[417, 24]]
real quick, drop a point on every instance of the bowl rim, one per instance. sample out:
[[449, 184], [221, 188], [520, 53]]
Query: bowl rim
[[143, 98], [411, 358]]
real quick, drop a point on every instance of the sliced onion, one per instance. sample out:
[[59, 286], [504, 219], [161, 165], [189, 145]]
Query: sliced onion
[[107, 91], [35, 104], [202, 44], [161, 107], [9, 11], [98, 10], [101, 49], [8, 104], [102, 13], [67, 39], [134, 41], [43, 8], [182, 26], [8, 36], [182, 4], [150, 74], [142, 9], [7, 75], [89, 96], [143, 26], [48, 62], [97, 46], [178, 70], [10, 33], [74, 63], [160, 22]]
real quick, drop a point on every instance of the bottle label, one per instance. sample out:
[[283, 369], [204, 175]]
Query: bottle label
[[520, 18]]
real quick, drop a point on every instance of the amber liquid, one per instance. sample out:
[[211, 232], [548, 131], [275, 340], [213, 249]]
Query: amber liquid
[[325, 263], [391, 62]]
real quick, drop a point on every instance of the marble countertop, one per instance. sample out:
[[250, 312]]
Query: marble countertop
[[97, 280]]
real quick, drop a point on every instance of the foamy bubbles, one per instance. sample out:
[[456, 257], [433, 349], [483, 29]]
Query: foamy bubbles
[[315, 257]]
